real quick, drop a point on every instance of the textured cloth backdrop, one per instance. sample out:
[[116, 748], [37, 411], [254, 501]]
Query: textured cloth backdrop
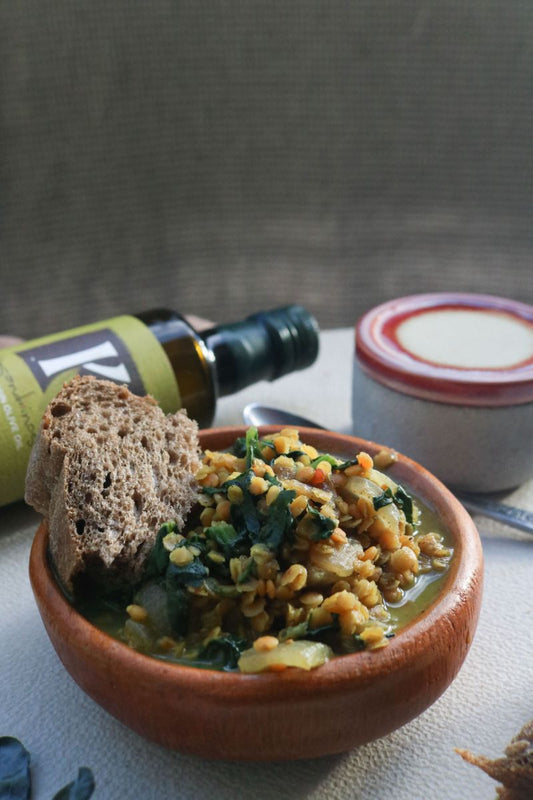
[[221, 157]]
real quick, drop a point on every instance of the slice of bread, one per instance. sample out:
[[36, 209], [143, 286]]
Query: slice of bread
[[107, 469]]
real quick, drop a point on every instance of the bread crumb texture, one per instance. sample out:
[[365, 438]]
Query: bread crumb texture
[[107, 469]]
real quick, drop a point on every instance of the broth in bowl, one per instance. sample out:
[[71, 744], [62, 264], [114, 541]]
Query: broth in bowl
[[293, 556]]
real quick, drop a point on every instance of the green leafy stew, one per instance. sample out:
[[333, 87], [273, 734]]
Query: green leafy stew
[[291, 557]]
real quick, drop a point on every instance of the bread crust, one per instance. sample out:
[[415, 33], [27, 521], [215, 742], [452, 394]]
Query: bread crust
[[107, 469]]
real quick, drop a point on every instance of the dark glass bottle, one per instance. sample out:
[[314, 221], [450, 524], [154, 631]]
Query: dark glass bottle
[[157, 353], [226, 358]]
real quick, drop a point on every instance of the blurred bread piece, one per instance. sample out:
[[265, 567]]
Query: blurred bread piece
[[107, 469], [515, 770]]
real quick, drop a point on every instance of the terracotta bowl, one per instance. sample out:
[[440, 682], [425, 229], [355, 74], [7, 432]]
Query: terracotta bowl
[[346, 702]]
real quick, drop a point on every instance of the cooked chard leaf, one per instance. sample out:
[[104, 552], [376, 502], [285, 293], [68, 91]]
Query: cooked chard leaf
[[225, 536], [250, 571], [224, 652], [294, 632], [272, 479], [214, 587], [251, 525], [383, 499], [277, 526], [181, 575], [211, 490], [80, 789], [177, 608], [239, 447], [294, 454], [404, 502], [166, 527], [337, 465], [323, 526], [253, 446], [345, 464], [157, 560], [245, 516], [15, 778], [326, 457], [244, 444], [219, 571], [303, 631], [400, 498], [177, 578], [230, 543], [243, 481], [321, 633], [197, 540]]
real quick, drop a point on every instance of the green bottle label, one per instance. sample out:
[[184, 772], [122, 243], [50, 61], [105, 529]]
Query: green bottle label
[[121, 349]]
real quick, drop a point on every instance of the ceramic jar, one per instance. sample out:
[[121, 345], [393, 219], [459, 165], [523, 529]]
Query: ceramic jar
[[447, 379]]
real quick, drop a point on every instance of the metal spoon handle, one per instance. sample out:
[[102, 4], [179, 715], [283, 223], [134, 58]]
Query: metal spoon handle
[[510, 515]]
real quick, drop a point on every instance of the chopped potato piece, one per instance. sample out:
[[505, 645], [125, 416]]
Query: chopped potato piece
[[300, 653], [334, 559]]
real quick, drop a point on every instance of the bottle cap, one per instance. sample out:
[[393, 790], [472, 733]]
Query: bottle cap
[[464, 349], [294, 336], [264, 346]]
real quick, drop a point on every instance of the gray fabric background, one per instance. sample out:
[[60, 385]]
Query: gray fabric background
[[222, 157]]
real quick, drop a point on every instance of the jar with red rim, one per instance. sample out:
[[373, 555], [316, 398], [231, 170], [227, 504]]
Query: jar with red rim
[[447, 379]]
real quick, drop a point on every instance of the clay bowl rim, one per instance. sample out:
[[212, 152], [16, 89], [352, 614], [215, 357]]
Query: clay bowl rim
[[339, 673]]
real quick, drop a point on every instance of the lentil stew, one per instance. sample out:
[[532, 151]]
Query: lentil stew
[[292, 557]]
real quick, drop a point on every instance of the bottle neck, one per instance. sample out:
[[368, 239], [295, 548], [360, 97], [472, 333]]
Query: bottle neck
[[190, 359], [264, 346]]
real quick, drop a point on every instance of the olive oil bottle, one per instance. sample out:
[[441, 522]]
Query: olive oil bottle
[[155, 352]]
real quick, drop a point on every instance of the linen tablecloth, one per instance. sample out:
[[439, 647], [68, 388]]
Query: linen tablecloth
[[483, 708]]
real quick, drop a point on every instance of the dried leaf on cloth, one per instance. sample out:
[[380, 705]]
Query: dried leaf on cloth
[[515, 770]]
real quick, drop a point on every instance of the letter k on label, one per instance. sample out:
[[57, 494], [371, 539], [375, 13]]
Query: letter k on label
[[98, 352]]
